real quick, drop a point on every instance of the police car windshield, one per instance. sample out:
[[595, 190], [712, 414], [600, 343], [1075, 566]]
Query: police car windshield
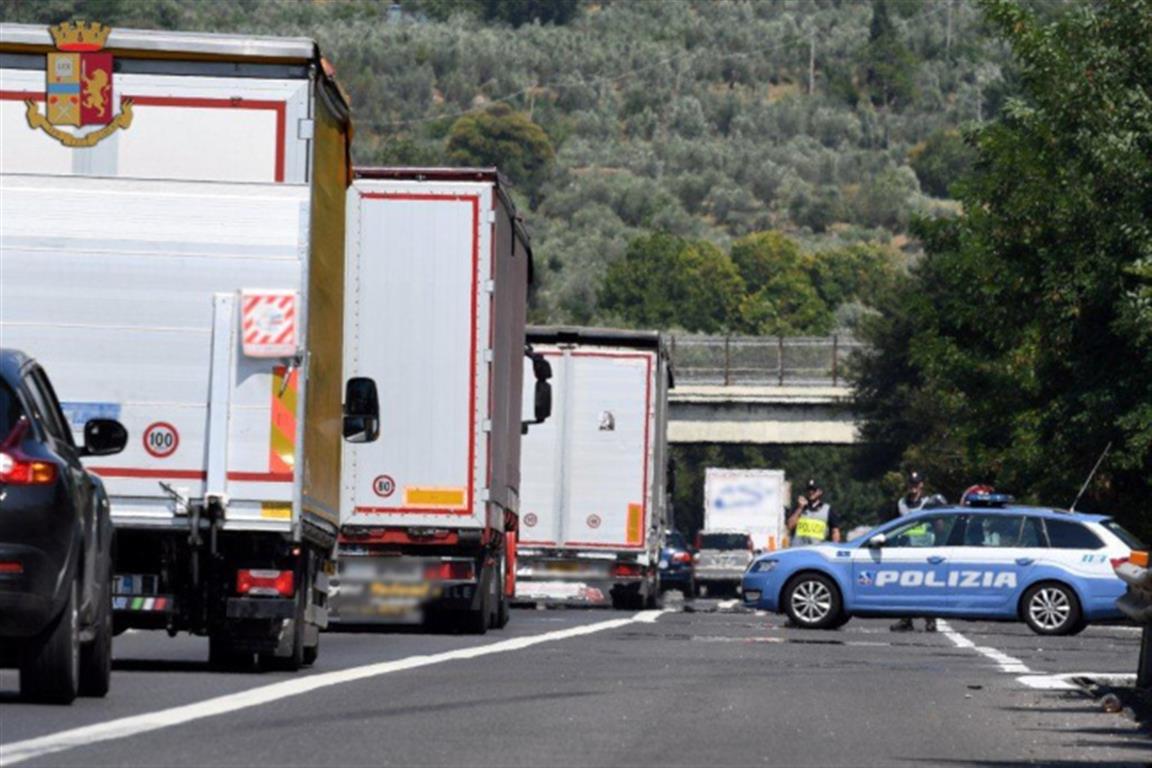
[[724, 541], [10, 411], [1124, 535], [675, 541]]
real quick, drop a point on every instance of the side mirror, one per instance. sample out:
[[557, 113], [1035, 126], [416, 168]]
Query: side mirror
[[543, 402], [361, 411], [877, 541], [104, 437], [542, 393]]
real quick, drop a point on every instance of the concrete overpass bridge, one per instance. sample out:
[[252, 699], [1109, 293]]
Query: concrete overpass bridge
[[767, 390]]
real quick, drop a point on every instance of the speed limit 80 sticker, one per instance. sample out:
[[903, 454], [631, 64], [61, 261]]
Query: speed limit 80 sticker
[[161, 439]]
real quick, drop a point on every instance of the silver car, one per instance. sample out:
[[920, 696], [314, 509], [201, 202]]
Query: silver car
[[722, 558]]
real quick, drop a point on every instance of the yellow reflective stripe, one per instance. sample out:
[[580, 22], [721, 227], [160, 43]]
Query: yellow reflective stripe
[[811, 528], [917, 530]]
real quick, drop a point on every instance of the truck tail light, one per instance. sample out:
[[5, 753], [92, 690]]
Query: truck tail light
[[17, 469], [626, 569], [265, 583], [11, 567], [450, 570]]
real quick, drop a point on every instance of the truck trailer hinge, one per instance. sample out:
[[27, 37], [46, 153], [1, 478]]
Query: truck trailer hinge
[[306, 128], [490, 286], [486, 425], [489, 355]]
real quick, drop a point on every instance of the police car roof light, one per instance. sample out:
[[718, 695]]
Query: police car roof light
[[989, 500]]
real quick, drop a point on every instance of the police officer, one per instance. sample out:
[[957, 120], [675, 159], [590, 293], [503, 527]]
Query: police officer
[[813, 521], [911, 502]]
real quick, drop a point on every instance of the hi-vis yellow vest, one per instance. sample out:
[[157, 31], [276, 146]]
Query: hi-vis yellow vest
[[812, 527]]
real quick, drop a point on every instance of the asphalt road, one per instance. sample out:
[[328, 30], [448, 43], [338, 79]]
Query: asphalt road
[[570, 687]]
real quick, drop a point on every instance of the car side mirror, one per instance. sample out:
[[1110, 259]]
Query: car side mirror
[[104, 437], [361, 410], [877, 541]]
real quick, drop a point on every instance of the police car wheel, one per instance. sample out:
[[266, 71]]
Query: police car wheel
[[1052, 609], [812, 601]]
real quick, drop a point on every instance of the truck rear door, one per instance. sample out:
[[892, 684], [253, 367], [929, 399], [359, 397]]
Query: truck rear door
[[605, 402], [133, 294], [418, 263]]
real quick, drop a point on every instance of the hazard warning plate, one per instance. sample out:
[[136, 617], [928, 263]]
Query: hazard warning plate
[[269, 323]]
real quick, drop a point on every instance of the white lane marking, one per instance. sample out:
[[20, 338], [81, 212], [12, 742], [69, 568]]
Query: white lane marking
[[265, 694], [1028, 678], [1005, 662], [1065, 682]]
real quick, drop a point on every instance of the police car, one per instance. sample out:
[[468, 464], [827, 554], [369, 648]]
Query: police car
[[1050, 568]]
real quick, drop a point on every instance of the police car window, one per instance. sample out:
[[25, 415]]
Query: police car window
[[10, 411], [1118, 530], [923, 532], [1033, 533], [995, 531], [1067, 534], [676, 541]]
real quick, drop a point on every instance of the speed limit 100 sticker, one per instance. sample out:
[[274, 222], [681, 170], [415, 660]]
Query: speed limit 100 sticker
[[383, 486], [161, 439]]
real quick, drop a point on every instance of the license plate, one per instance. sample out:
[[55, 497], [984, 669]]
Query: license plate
[[136, 584], [562, 567]]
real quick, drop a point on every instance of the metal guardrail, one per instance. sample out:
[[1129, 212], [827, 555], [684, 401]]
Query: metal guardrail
[[762, 360], [1136, 603]]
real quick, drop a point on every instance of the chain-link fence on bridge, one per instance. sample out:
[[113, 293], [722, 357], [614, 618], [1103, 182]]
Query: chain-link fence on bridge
[[762, 360]]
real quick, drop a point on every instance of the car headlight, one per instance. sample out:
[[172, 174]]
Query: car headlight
[[762, 566]]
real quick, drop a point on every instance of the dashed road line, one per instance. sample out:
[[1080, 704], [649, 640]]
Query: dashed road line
[[135, 725]]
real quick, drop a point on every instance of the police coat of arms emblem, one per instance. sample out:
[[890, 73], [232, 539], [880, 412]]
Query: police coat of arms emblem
[[78, 90]]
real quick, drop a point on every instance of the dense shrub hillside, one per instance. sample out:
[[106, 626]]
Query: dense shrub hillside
[[832, 121]]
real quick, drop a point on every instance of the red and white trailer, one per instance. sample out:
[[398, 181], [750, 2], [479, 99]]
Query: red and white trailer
[[436, 287], [594, 503]]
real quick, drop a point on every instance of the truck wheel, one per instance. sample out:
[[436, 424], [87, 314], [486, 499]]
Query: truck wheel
[[311, 653], [51, 671], [223, 654], [503, 612], [812, 601], [295, 659], [96, 656]]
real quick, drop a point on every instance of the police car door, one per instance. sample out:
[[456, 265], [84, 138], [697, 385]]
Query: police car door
[[997, 554], [909, 573]]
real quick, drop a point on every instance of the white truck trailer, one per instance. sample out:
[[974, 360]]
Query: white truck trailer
[[177, 262], [594, 503], [743, 515], [751, 501], [437, 281]]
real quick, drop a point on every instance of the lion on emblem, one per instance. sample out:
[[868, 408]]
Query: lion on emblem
[[94, 90]]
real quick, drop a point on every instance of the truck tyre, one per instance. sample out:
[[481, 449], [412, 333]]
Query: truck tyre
[[295, 658], [503, 612], [311, 653], [51, 670], [223, 654], [96, 656], [812, 601], [475, 622]]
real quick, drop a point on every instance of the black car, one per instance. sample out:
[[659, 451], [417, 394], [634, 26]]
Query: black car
[[55, 541]]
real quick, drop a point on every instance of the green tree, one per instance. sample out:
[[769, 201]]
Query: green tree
[[781, 297], [891, 67], [665, 281], [1022, 347], [940, 161], [502, 137]]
